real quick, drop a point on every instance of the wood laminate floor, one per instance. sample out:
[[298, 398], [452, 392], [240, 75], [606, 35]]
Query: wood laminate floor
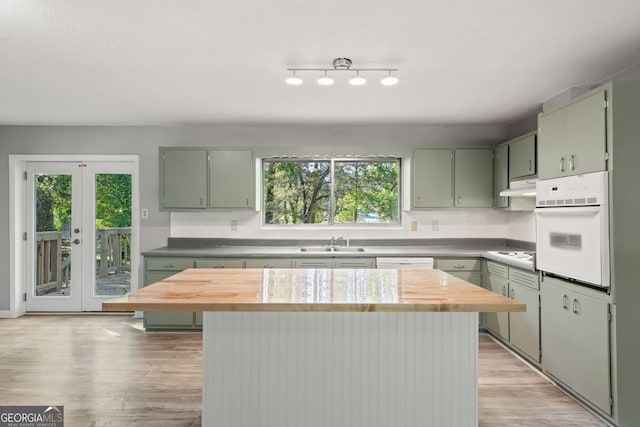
[[107, 371]]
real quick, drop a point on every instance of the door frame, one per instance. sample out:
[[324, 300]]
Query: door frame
[[18, 221]]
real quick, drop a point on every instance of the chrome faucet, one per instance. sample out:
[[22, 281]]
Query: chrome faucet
[[335, 240]]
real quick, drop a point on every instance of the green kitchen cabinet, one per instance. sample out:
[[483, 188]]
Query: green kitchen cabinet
[[219, 263], [231, 179], [312, 263], [498, 282], [524, 327], [354, 263], [473, 177], [521, 330], [522, 157], [183, 178], [468, 269], [268, 263], [572, 139], [159, 268], [432, 178], [575, 339], [501, 174]]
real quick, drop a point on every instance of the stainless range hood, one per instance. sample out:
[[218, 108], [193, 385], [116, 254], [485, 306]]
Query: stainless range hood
[[524, 188]]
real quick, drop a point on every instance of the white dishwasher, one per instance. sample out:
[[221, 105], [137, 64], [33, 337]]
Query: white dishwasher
[[413, 263]]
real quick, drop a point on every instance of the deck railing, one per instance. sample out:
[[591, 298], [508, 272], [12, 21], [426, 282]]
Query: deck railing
[[53, 261], [113, 246]]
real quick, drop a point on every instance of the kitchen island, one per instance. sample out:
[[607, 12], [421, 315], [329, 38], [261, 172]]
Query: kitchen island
[[331, 347]]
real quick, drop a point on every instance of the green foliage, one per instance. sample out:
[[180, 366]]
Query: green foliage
[[298, 192], [53, 201]]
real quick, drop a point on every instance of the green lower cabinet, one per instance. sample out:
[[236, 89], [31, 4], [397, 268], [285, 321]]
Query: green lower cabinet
[[521, 330], [334, 263], [159, 268], [268, 263], [468, 269], [575, 337]]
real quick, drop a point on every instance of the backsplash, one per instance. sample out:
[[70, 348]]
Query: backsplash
[[430, 224]]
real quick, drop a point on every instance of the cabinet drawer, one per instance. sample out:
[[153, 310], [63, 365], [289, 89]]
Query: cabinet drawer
[[312, 263], [465, 264], [524, 278], [268, 263], [355, 263], [497, 269], [219, 263], [156, 276], [168, 263], [474, 277]]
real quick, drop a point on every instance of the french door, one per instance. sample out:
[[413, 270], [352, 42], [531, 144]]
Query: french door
[[79, 234]]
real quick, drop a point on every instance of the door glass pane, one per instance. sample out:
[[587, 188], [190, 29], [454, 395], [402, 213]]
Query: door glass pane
[[113, 234], [53, 234]]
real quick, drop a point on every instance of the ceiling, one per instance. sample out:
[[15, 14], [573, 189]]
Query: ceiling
[[169, 62]]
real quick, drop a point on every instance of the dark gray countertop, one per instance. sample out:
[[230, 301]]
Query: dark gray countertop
[[256, 248]]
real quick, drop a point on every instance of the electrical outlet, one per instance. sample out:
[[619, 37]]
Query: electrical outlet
[[435, 225], [144, 213], [234, 225], [414, 225]]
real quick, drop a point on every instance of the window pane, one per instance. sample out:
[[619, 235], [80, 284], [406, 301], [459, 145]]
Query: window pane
[[297, 192], [366, 192]]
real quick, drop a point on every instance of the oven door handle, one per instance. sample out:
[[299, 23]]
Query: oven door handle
[[569, 210]]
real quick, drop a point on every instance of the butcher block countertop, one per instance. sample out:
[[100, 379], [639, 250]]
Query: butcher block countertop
[[354, 290]]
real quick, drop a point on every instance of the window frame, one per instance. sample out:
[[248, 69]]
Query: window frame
[[332, 202]]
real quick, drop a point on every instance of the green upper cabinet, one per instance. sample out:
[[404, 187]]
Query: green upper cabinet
[[501, 174], [193, 178], [572, 139], [522, 157], [473, 178], [432, 178], [183, 178], [231, 179]]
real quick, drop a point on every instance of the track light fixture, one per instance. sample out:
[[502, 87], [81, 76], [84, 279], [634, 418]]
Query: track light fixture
[[343, 64]]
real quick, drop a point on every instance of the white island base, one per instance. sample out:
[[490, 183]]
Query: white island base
[[340, 369]]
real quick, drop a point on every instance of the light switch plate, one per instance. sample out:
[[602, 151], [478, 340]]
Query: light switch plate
[[144, 213], [414, 225]]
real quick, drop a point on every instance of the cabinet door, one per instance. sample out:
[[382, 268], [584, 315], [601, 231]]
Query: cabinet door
[[590, 338], [165, 319], [498, 323], [183, 183], [473, 178], [231, 179], [552, 143], [500, 174], [524, 328], [586, 135], [522, 157], [432, 178], [556, 335]]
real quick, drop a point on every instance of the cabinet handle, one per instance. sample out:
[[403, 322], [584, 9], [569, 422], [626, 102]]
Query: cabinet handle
[[168, 265], [201, 200], [575, 305], [459, 200], [267, 266], [513, 293], [458, 266], [572, 162], [418, 200], [504, 291], [247, 201], [218, 266], [530, 164], [561, 164], [564, 301]]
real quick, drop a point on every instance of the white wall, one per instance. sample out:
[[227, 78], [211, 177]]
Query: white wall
[[430, 224], [520, 226]]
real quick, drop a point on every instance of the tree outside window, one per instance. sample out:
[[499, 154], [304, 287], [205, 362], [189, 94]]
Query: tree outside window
[[335, 191]]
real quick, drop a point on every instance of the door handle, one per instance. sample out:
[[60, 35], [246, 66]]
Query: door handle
[[76, 230], [76, 242]]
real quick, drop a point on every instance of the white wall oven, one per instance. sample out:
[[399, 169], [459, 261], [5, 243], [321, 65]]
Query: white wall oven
[[572, 228]]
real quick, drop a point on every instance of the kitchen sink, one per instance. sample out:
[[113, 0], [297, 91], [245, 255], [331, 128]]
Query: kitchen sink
[[332, 249]]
